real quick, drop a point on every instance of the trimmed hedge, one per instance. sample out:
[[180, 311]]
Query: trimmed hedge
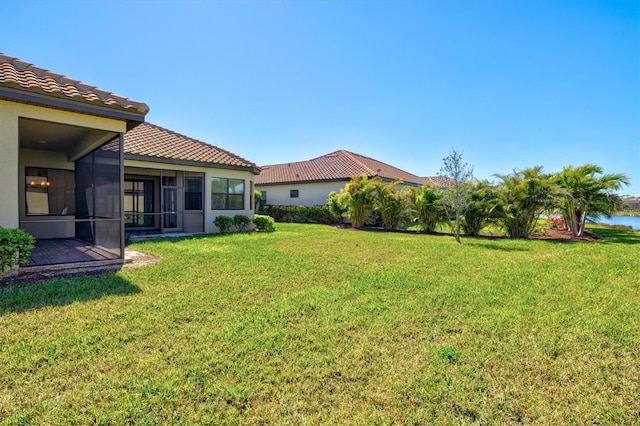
[[263, 223], [301, 214], [224, 223]]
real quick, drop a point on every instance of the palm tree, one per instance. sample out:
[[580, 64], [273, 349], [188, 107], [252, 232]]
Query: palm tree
[[391, 202], [480, 207], [427, 205], [521, 196], [585, 191], [357, 198]]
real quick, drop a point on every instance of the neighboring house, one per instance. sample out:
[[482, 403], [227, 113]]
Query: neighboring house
[[80, 165], [308, 183], [631, 203]]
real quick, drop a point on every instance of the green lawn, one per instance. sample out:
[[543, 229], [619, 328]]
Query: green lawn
[[316, 325]]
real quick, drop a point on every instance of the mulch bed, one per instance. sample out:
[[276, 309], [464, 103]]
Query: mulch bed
[[564, 235]]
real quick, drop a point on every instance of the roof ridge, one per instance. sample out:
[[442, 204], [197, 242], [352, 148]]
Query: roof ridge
[[386, 164], [324, 155], [291, 162], [353, 155]]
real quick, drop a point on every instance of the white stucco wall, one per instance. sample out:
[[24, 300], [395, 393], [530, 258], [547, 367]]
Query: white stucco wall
[[139, 167], [309, 194], [12, 188]]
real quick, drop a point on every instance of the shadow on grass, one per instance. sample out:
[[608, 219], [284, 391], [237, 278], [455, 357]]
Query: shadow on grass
[[491, 246], [617, 236], [170, 239], [24, 296]]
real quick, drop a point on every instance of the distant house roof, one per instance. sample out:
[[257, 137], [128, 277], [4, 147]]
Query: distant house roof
[[338, 165], [436, 180], [24, 82], [150, 141]]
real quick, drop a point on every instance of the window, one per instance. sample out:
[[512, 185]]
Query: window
[[252, 202], [49, 191], [293, 193], [169, 181], [227, 194], [193, 193], [263, 198]]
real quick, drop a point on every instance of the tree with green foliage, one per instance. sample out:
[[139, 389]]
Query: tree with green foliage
[[427, 206], [480, 207], [392, 202], [455, 195], [584, 191], [521, 197], [357, 199], [335, 207]]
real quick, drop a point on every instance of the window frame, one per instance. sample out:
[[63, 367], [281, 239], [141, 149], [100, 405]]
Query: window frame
[[294, 193], [142, 188], [188, 193], [230, 194]]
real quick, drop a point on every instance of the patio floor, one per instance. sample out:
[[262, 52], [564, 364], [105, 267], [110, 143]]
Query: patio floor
[[68, 251]]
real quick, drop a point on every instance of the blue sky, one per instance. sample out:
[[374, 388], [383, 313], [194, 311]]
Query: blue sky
[[510, 84]]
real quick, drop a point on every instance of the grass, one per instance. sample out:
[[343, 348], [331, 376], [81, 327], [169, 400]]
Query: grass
[[316, 325], [635, 213]]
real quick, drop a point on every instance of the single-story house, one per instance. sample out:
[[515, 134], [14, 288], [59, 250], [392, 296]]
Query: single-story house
[[173, 183], [631, 203], [80, 167], [308, 183]]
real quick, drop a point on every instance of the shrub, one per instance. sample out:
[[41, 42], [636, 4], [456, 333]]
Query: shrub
[[557, 223], [333, 203], [427, 206], [357, 198], [480, 207], [257, 196], [300, 214], [374, 219], [264, 223], [241, 222], [224, 223], [392, 201], [15, 247]]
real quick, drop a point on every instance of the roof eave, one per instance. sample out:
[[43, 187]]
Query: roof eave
[[292, 182], [254, 170], [132, 117]]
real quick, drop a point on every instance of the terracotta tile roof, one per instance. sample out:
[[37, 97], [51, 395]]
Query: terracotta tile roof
[[436, 180], [338, 165], [149, 140], [23, 76]]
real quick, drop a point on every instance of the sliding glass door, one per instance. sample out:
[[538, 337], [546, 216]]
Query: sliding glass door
[[138, 203]]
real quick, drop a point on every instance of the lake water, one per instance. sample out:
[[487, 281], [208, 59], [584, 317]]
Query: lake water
[[632, 221]]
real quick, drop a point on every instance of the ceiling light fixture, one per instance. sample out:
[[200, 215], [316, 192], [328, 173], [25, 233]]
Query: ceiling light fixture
[[35, 181]]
